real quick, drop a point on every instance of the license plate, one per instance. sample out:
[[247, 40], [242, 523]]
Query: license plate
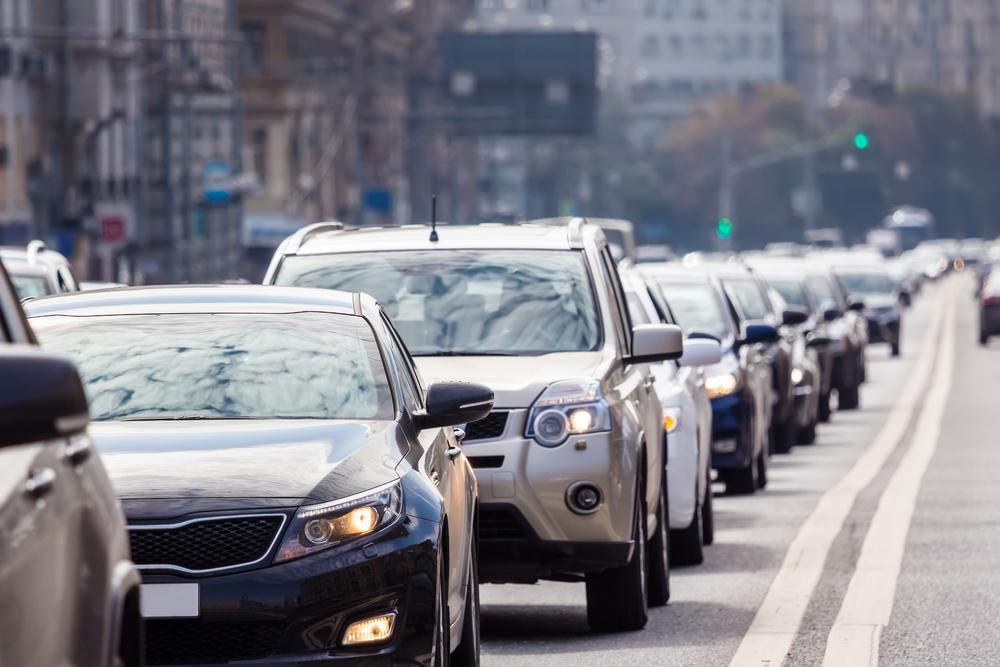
[[168, 600]]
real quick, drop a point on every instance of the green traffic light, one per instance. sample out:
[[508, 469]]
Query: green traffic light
[[861, 141], [725, 228]]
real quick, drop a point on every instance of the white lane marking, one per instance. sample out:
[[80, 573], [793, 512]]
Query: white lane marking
[[867, 606], [777, 621]]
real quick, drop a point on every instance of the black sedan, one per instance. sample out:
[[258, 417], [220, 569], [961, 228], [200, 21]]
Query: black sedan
[[989, 306], [873, 287], [292, 493]]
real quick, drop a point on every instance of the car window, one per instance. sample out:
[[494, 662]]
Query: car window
[[821, 288], [866, 283], [792, 291], [224, 366], [404, 371], [635, 308], [468, 302], [28, 286], [618, 303], [697, 308], [748, 297]]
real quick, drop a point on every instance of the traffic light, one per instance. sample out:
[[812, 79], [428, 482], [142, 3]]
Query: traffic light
[[862, 141], [724, 228]]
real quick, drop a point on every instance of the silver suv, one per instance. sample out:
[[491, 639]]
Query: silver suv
[[571, 461]]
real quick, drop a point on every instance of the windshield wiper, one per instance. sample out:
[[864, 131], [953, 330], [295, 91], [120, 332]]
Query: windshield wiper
[[178, 418], [465, 353]]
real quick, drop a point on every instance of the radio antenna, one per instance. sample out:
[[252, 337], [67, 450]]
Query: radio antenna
[[434, 218]]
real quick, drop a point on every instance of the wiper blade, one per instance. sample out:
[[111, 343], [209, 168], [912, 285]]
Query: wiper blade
[[172, 418], [464, 353]]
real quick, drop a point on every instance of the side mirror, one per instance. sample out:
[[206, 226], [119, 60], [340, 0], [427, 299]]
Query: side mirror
[[831, 314], [817, 340], [656, 342], [793, 316], [855, 304], [701, 352], [759, 332], [454, 403], [41, 397], [905, 300]]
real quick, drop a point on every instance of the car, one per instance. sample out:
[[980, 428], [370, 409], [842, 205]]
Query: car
[[37, 271], [64, 552], [571, 463], [687, 420], [989, 307], [293, 491], [872, 286], [739, 386]]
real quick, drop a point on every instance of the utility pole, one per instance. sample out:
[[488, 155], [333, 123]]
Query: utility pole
[[166, 154], [727, 199], [357, 81], [809, 172]]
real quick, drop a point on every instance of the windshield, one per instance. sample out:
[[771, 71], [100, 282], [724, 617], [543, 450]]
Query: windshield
[[748, 297], [866, 283], [224, 366], [30, 286], [696, 308], [821, 288], [468, 302], [792, 291]]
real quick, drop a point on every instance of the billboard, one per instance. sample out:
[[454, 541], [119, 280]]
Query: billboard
[[520, 83]]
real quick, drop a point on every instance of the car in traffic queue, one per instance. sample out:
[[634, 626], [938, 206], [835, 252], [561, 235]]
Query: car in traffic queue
[[37, 271], [739, 386], [571, 461], [872, 286], [989, 306], [687, 420], [293, 493], [69, 593]]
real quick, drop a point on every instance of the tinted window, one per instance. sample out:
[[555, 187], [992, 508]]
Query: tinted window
[[748, 297], [402, 364], [866, 283], [30, 286], [792, 291], [823, 291], [468, 302], [635, 309], [224, 366], [696, 308]]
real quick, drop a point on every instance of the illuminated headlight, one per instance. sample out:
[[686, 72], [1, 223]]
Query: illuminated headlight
[[565, 409], [318, 527], [671, 419], [798, 376], [720, 385]]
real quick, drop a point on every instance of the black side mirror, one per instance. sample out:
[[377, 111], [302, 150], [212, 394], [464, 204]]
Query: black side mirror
[[817, 340], [759, 332], [856, 304], [454, 403], [41, 397], [831, 314], [905, 300], [793, 316]]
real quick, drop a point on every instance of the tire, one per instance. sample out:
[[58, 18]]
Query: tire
[[467, 652], [762, 469], [783, 436], [984, 339], [824, 408], [895, 349], [708, 513], [742, 481], [686, 543], [659, 553], [442, 625], [807, 435], [849, 398], [616, 598]]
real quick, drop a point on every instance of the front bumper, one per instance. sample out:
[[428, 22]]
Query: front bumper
[[731, 438], [296, 612]]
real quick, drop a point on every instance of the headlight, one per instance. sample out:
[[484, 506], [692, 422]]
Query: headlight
[[567, 408], [318, 527], [671, 419], [798, 376], [722, 384]]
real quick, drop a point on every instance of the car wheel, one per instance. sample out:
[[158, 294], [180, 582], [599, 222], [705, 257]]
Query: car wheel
[[849, 398], [743, 481], [442, 629], [707, 513], [467, 653], [686, 543], [783, 436], [616, 598], [984, 339], [659, 550], [762, 470], [807, 435], [824, 408]]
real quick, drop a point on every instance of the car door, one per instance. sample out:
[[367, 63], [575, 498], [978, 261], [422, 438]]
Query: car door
[[45, 590], [446, 466]]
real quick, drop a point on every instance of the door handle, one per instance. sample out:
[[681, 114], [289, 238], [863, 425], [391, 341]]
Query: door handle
[[40, 482], [453, 452], [78, 452]]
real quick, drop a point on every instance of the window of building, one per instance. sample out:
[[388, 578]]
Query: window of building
[[650, 9], [650, 46], [258, 147], [676, 45], [540, 5], [766, 46], [254, 47]]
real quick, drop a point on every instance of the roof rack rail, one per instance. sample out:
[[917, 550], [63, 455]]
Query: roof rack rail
[[574, 225], [34, 249], [296, 240]]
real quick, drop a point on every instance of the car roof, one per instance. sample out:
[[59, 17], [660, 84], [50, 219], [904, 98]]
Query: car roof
[[197, 299], [19, 254]]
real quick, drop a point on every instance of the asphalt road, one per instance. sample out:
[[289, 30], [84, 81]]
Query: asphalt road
[[782, 583]]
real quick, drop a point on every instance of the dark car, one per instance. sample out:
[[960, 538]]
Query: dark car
[[69, 593], [872, 286], [293, 493], [989, 307], [739, 386]]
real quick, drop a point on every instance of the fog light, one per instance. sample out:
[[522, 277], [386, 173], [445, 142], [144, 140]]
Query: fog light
[[374, 630], [583, 497]]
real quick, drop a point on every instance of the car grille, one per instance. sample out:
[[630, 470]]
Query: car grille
[[186, 642], [501, 524], [206, 544], [490, 426]]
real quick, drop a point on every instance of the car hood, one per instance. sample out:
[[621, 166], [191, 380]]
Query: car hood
[[276, 462], [516, 381]]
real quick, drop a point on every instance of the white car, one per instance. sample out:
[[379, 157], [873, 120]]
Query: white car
[[687, 420]]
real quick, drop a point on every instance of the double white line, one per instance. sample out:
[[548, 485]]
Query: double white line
[[854, 638]]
